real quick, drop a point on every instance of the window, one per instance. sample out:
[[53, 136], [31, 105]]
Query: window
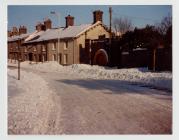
[[43, 57], [35, 49], [43, 48], [25, 49], [65, 58], [65, 45], [54, 46], [53, 57]]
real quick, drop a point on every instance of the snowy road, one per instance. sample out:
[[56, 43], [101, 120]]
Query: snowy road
[[89, 106]]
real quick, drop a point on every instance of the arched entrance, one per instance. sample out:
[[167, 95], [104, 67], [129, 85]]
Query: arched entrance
[[101, 58]]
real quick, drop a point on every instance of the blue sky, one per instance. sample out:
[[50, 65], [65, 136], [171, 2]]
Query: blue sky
[[140, 15]]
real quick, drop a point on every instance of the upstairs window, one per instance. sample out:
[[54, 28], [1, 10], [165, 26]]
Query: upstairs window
[[65, 45], [35, 49], [53, 46], [43, 48]]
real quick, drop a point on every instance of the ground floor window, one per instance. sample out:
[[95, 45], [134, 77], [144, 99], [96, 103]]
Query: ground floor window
[[65, 58], [54, 57]]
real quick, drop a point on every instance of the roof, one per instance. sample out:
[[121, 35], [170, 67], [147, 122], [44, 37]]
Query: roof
[[15, 38], [70, 32], [34, 35], [61, 33]]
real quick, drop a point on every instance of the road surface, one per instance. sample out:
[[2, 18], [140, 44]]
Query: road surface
[[88, 106]]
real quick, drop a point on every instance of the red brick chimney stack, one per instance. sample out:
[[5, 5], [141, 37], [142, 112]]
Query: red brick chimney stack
[[69, 21], [22, 30], [97, 16], [14, 31], [48, 24], [40, 27], [9, 33]]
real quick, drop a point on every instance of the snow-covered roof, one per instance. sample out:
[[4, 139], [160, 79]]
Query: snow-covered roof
[[34, 35], [18, 37], [70, 32], [62, 33]]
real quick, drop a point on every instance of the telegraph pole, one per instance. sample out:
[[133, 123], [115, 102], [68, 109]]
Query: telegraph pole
[[110, 28], [110, 35], [110, 19]]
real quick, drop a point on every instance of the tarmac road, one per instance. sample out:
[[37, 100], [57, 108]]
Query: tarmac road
[[88, 106]]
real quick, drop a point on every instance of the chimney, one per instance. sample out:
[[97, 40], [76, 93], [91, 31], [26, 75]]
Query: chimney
[[48, 24], [97, 16], [69, 21], [9, 33], [40, 27], [14, 31], [22, 30]]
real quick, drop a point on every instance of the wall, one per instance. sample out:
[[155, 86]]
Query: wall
[[163, 61]]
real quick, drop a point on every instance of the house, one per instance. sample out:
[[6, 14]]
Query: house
[[16, 38], [62, 44]]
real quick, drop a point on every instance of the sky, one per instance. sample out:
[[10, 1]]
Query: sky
[[30, 15]]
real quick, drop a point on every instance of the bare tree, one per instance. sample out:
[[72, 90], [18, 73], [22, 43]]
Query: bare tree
[[165, 24], [122, 25]]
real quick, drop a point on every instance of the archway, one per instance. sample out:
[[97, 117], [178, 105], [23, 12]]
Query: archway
[[101, 58]]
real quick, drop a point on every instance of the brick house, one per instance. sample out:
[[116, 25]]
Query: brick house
[[62, 44], [16, 38]]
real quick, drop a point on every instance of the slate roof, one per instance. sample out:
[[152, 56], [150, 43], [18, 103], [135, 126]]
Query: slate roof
[[61, 33], [70, 32], [15, 38]]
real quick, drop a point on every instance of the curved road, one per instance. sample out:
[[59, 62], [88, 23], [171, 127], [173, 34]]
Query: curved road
[[88, 106]]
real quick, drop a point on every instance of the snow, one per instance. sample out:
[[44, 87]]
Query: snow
[[49, 34], [33, 35], [132, 75], [15, 38], [26, 109], [69, 32]]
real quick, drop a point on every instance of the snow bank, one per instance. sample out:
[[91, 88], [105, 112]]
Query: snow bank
[[29, 103], [46, 66], [134, 75]]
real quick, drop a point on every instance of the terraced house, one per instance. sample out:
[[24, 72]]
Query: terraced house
[[62, 44]]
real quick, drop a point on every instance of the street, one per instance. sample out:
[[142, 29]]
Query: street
[[89, 106]]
